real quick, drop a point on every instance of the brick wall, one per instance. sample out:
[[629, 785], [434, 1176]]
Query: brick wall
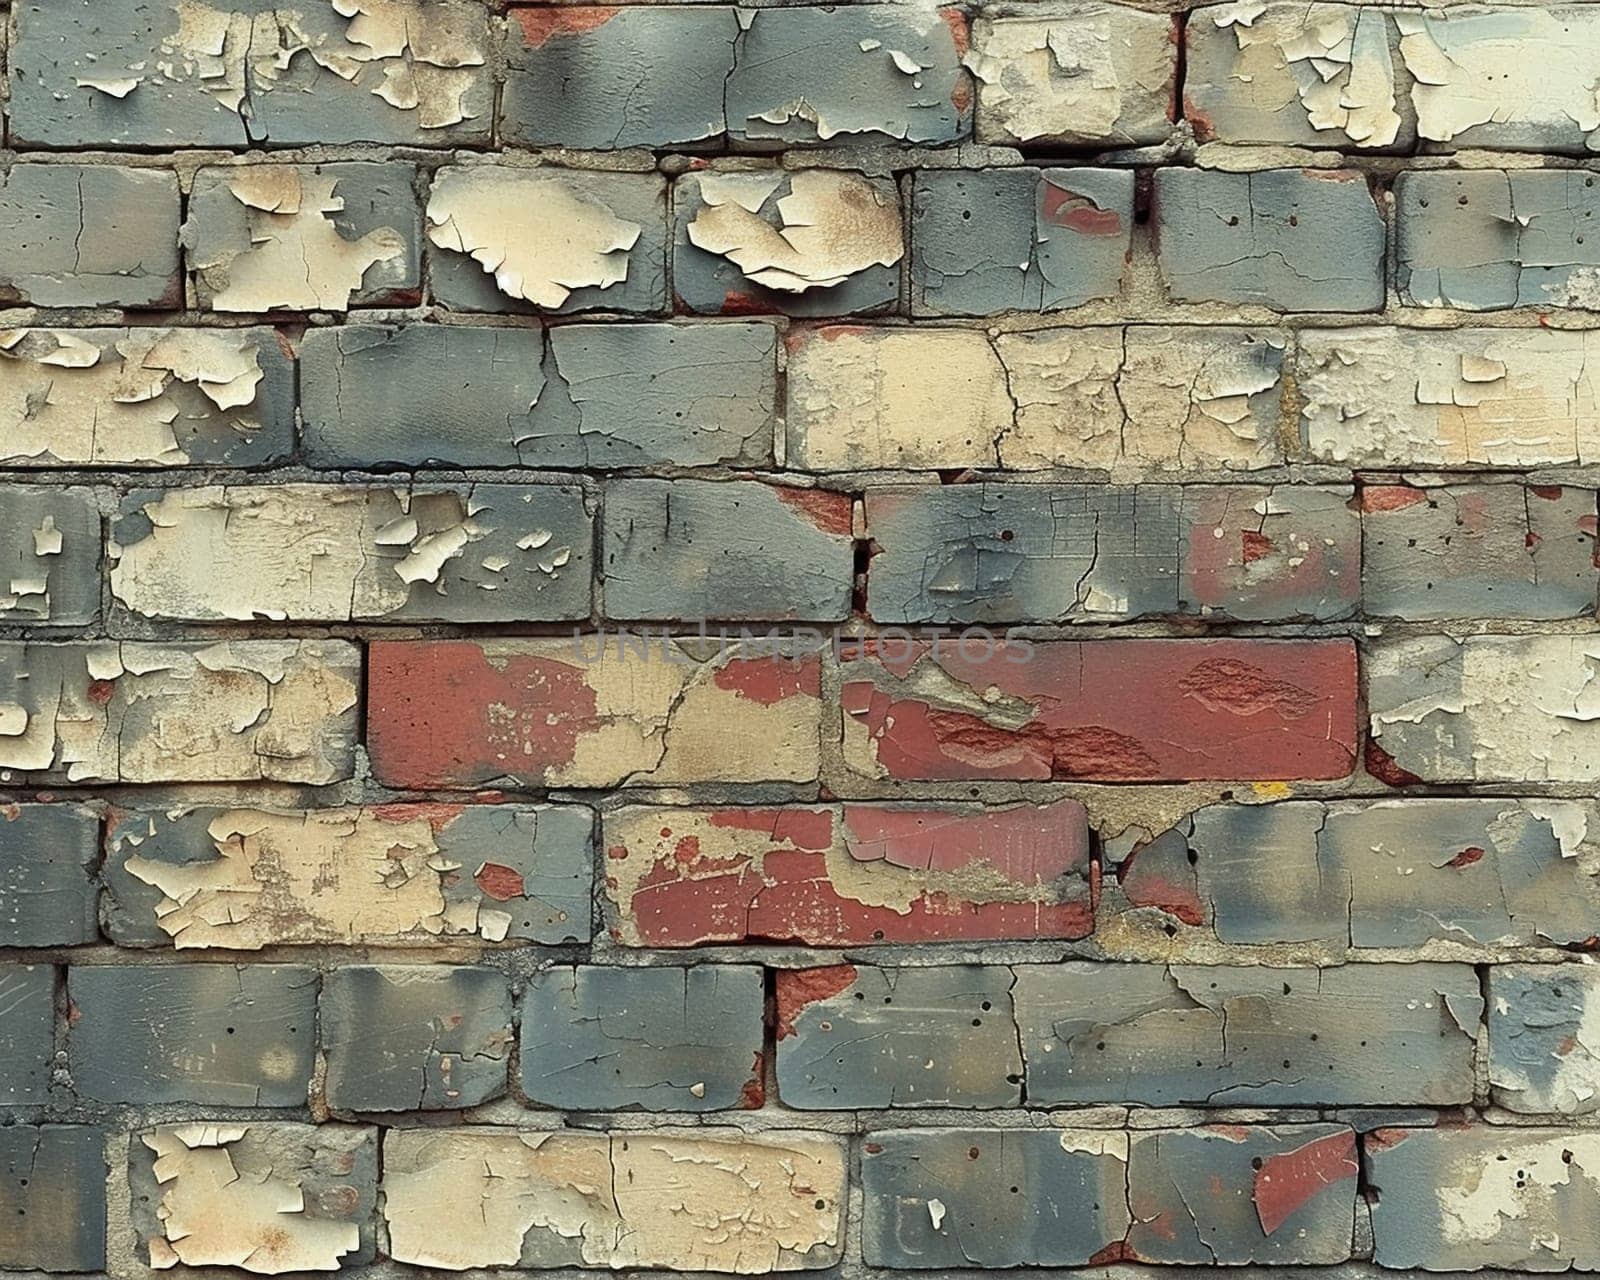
[[1163, 832]]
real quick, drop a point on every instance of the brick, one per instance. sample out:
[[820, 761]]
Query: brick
[[735, 549], [1447, 398], [1229, 1195], [1486, 239], [604, 78], [604, 1038], [513, 239], [286, 237], [848, 876], [129, 73], [48, 892], [324, 553], [1375, 79], [1028, 552], [811, 242], [1480, 873], [1460, 1199], [414, 1037], [267, 1197], [597, 711], [990, 240], [49, 556], [1483, 550], [234, 711], [662, 1199], [1485, 708], [1287, 239], [53, 1197], [391, 875], [859, 1036], [1123, 710], [1102, 76], [27, 1033], [89, 236], [147, 397], [807, 75], [1185, 1035], [943, 1198], [1543, 1057], [227, 1035]]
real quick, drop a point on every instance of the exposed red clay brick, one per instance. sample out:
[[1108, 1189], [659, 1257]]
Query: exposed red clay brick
[[770, 680], [1382, 766], [1063, 208], [499, 882], [540, 24], [829, 511], [1286, 1182], [797, 988]]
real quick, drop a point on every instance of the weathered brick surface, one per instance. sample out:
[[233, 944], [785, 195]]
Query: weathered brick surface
[[390, 875], [991, 240], [848, 876], [1542, 1055], [1289, 239], [266, 1196], [414, 1037], [659, 1199], [53, 1197], [27, 1036], [229, 1035], [738, 550], [1100, 710], [595, 1037], [49, 556], [1465, 1198], [321, 553], [48, 893], [242, 710], [515, 239], [814, 242], [596, 711]]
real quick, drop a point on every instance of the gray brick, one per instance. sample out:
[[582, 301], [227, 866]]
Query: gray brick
[[1462, 1199], [861, 1036], [473, 553], [1543, 1056], [49, 556], [27, 1033], [942, 1198], [272, 1197], [877, 73], [1364, 874], [134, 73], [837, 249], [145, 397], [602, 1038], [392, 875], [559, 240], [1485, 708], [1288, 239], [415, 1037], [286, 237], [740, 549], [599, 79], [1248, 1037], [1232, 1195], [222, 1034], [52, 1197], [47, 884], [89, 236], [1479, 551], [991, 240], [1485, 239]]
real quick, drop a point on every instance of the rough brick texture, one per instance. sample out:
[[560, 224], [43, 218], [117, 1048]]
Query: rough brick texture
[[719, 637]]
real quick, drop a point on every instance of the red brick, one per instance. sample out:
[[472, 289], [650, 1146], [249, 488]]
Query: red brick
[[848, 875], [1112, 710]]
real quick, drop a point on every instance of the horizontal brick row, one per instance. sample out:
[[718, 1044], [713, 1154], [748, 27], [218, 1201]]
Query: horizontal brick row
[[748, 551], [607, 396], [1325, 877], [930, 1198], [651, 76], [807, 242]]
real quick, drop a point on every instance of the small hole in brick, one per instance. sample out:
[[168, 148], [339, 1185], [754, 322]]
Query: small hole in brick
[[1255, 1162]]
